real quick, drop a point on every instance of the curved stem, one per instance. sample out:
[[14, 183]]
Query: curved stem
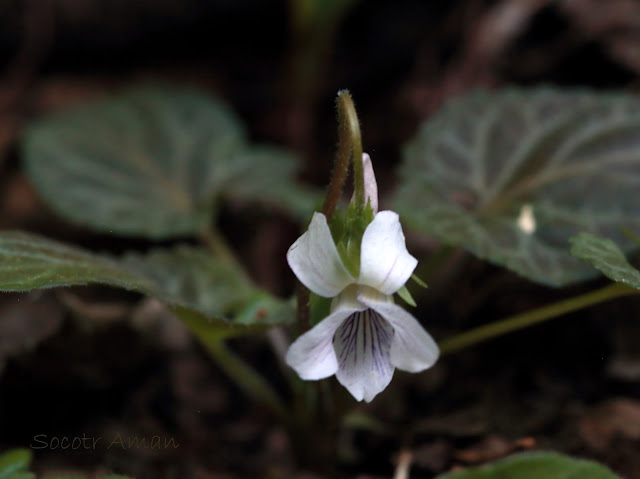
[[349, 141], [349, 130], [520, 321]]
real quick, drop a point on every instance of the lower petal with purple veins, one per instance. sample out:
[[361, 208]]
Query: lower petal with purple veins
[[362, 346]]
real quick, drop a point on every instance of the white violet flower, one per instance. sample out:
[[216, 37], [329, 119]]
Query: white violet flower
[[366, 336]]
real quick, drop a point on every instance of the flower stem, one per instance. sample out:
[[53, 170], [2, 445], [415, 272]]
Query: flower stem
[[245, 377], [349, 143], [302, 304], [238, 371], [213, 337], [520, 321]]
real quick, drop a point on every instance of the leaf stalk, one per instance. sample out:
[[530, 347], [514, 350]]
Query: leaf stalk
[[529, 318]]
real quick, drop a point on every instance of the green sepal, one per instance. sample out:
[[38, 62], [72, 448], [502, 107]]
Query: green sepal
[[347, 230], [418, 281], [406, 296]]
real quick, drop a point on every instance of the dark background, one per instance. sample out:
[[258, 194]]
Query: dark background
[[100, 362]]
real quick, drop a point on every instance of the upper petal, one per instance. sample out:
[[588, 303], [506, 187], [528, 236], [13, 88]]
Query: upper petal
[[370, 184], [312, 354], [412, 348], [362, 344], [316, 262], [385, 263]]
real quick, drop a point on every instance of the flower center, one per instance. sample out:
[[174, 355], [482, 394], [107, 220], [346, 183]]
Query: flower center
[[352, 297]]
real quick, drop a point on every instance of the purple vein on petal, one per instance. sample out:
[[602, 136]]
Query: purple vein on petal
[[395, 260], [365, 333]]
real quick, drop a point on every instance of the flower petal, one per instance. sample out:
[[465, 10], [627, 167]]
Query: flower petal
[[316, 262], [362, 345], [312, 354], [370, 184], [385, 263], [412, 348]]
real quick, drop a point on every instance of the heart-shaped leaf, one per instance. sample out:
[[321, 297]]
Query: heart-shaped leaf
[[605, 255], [153, 162], [537, 465], [512, 175], [189, 279]]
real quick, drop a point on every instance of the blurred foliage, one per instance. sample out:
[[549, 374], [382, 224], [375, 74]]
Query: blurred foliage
[[155, 162], [537, 465], [184, 277], [14, 464], [511, 175], [605, 255]]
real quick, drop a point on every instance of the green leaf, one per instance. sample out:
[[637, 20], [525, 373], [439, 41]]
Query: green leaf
[[263, 174], [511, 175], [153, 162], [23, 475], [110, 476], [536, 465], [32, 262], [206, 289], [605, 255], [262, 309], [13, 462], [189, 279]]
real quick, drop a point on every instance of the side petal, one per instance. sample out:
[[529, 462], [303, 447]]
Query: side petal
[[315, 260], [362, 345], [312, 355], [385, 263], [412, 348]]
